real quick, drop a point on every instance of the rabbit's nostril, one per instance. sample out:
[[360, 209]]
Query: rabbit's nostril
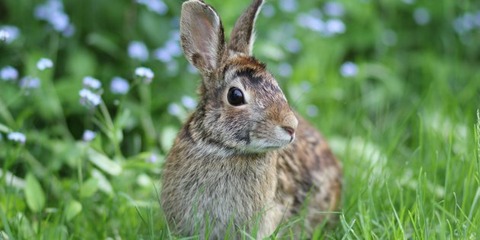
[[289, 130]]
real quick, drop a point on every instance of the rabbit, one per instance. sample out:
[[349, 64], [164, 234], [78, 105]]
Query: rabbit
[[244, 162]]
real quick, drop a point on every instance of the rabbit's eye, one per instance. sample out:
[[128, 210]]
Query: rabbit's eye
[[235, 97]]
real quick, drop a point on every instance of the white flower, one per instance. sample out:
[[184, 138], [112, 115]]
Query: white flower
[[88, 135], [44, 63], [9, 33], [348, 69], [17, 137], [30, 82], [138, 50], [119, 86], [90, 82], [189, 102], [89, 98], [144, 73], [8, 73], [156, 6]]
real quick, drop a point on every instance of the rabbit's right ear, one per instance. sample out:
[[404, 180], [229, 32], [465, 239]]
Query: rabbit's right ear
[[201, 36]]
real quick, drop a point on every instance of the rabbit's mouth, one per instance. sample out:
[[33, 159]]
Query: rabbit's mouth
[[274, 140]]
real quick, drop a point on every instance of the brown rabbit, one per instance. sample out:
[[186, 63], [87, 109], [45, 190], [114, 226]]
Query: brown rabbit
[[244, 162]]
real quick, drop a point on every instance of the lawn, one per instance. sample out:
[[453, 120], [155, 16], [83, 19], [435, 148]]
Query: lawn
[[93, 92]]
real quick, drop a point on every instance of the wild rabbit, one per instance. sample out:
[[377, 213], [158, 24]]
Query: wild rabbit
[[243, 161]]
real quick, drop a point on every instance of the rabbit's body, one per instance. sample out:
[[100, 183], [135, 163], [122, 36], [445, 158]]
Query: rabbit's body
[[235, 165]]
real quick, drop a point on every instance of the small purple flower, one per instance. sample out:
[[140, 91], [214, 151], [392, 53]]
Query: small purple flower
[[268, 10], [138, 50], [29, 82], [334, 26], [174, 109], [88, 135], [293, 45], [421, 16], [9, 33], [119, 86], [156, 6], [144, 73], [312, 110], [153, 158], [288, 5], [44, 63], [348, 69], [8, 73], [189, 102], [89, 98], [92, 83], [17, 137], [285, 69], [52, 12], [4, 35], [334, 9]]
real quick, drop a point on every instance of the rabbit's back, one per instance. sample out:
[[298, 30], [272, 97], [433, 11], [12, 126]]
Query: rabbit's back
[[309, 177]]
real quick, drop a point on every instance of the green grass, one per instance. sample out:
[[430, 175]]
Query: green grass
[[406, 126]]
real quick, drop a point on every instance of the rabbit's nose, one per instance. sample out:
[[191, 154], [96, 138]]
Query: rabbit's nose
[[289, 124], [289, 130]]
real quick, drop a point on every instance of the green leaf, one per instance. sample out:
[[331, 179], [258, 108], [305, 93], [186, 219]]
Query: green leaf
[[72, 209], [104, 163], [103, 183], [168, 137], [89, 188], [4, 128], [34, 194]]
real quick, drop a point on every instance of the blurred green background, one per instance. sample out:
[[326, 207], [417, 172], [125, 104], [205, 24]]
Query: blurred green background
[[394, 86]]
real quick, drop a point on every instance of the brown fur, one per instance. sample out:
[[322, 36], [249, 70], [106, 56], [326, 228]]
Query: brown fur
[[235, 168]]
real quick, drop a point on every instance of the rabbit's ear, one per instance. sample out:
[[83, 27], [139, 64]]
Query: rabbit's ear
[[201, 35], [243, 33]]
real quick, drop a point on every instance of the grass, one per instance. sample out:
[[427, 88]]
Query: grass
[[405, 125]]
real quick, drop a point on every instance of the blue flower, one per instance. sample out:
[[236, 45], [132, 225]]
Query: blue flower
[[88, 135], [52, 12], [89, 98], [334, 26], [334, 9], [138, 50], [119, 86], [44, 63], [288, 5], [189, 102], [92, 83], [8, 73], [17, 137], [174, 109], [156, 6], [348, 69], [144, 73], [30, 82], [9, 33], [421, 16]]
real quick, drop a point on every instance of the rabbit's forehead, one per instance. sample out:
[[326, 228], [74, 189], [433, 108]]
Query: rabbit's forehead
[[257, 82]]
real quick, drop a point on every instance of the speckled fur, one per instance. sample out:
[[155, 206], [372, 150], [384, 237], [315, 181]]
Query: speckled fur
[[235, 168]]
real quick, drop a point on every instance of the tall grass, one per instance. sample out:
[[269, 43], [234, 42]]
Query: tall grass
[[393, 85]]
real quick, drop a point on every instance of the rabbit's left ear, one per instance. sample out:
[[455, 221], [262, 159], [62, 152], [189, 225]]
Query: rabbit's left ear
[[243, 35]]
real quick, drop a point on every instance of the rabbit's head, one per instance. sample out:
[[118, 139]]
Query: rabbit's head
[[241, 106]]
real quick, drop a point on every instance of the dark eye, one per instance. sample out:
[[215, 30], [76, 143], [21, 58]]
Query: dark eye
[[235, 97]]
